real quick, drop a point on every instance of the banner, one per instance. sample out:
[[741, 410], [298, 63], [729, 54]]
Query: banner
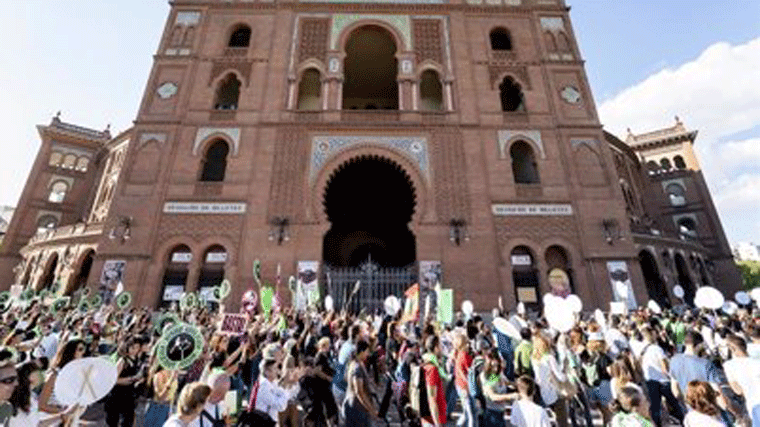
[[412, 304], [233, 324], [446, 306], [112, 274], [620, 280], [430, 273], [308, 284]]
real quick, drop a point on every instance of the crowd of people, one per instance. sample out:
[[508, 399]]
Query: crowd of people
[[315, 368]]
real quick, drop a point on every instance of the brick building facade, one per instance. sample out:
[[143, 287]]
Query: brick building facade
[[442, 130]]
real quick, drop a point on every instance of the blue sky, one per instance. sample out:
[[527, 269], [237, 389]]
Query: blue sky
[[647, 61]]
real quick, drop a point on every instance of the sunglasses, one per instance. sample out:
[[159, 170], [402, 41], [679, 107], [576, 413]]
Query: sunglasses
[[9, 380]]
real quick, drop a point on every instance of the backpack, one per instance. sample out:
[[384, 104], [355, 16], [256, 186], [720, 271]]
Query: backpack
[[418, 392], [473, 381]]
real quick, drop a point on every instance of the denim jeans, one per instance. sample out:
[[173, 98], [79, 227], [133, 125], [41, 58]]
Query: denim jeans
[[468, 409]]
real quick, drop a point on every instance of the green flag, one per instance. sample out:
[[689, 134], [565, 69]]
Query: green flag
[[446, 306]]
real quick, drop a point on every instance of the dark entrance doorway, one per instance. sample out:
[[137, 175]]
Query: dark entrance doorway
[[655, 286], [369, 201], [684, 279], [80, 280]]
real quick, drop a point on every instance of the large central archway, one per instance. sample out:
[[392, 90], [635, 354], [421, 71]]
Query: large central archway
[[370, 201]]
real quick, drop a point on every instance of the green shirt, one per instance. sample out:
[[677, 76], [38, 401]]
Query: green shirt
[[522, 356]]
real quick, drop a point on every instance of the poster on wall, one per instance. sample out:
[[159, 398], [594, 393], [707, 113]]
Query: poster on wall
[[112, 274], [559, 282], [430, 274], [308, 285], [620, 280]]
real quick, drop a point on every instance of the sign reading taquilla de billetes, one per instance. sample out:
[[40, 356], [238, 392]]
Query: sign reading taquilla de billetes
[[204, 208], [515, 209]]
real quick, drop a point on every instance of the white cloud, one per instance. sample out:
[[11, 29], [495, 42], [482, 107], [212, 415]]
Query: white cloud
[[719, 95]]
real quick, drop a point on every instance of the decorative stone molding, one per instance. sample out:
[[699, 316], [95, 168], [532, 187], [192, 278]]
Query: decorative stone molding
[[324, 148], [402, 24], [531, 136], [233, 134]]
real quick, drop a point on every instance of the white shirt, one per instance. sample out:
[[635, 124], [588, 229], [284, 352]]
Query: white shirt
[[48, 346], [26, 419], [271, 398], [174, 421], [698, 419], [745, 371], [616, 341], [651, 363], [212, 409], [753, 350], [688, 367], [527, 414], [544, 370]]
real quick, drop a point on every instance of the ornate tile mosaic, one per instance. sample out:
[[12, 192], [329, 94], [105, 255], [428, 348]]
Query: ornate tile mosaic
[[402, 23], [323, 148]]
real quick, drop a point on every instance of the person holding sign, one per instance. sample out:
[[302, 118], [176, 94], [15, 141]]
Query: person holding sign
[[121, 402], [72, 350]]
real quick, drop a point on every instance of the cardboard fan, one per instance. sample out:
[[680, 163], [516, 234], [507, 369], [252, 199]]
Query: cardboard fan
[[60, 304], [224, 290], [85, 381], [502, 326], [257, 270], [5, 298], [188, 301], [96, 301], [44, 294], [292, 283], [86, 292], [179, 346], [55, 288], [84, 306], [27, 295], [124, 299], [163, 321]]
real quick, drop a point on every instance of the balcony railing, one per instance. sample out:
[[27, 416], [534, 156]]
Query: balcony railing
[[67, 232]]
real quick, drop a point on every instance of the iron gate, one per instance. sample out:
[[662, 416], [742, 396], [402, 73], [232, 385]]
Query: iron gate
[[376, 284]]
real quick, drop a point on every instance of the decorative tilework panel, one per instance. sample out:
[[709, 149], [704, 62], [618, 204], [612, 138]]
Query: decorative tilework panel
[[323, 148]]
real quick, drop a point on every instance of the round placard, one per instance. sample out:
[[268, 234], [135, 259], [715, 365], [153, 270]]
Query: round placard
[[392, 305], [678, 291], [124, 299], [467, 307], [501, 325], [180, 346], [575, 303], [96, 301], [224, 289], [257, 270], [188, 301], [55, 288], [84, 306], [654, 307], [85, 381], [163, 321], [742, 298], [60, 304], [329, 303], [27, 294], [5, 298], [708, 297]]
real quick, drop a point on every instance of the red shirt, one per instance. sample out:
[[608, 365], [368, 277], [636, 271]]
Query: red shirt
[[433, 379], [461, 368]]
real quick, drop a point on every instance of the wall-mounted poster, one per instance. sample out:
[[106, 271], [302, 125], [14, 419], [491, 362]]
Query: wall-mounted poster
[[112, 274], [307, 281], [620, 280], [430, 274]]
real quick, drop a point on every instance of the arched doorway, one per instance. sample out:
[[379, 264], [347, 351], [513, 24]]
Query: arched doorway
[[525, 277], [212, 271], [175, 275], [556, 258], [49, 276], [684, 279], [369, 202], [80, 280], [655, 286], [370, 70]]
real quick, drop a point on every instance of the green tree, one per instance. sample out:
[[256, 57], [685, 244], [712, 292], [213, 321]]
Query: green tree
[[750, 273]]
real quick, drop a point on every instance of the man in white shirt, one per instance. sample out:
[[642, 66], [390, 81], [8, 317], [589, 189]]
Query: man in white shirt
[[654, 364], [213, 414], [267, 396], [743, 374], [525, 412], [616, 341]]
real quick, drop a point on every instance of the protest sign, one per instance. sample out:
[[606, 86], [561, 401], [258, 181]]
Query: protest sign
[[446, 306], [179, 346], [85, 381], [233, 324]]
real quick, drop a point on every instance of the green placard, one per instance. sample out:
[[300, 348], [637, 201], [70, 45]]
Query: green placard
[[96, 301], [267, 293], [446, 306], [224, 289], [124, 299], [163, 320], [180, 346], [188, 301], [60, 304]]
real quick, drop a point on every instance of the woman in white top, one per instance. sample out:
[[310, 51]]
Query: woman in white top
[[548, 373], [267, 396], [190, 404], [704, 410]]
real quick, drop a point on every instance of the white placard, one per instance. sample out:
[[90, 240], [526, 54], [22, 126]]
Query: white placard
[[216, 257], [204, 208], [182, 257], [85, 381], [521, 260], [621, 278], [173, 293], [207, 294], [530, 209]]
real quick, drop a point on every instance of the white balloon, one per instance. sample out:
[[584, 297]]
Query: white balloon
[[575, 303], [755, 294], [329, 303], [729, 307], [551, 299], [709, 297], [85, 381], [678, 291], [392, 305], [467, 307], [742, 298], [654, 307], [503, 326], [560, 317]]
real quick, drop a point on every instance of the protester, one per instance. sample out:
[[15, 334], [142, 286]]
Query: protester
[[525, 412], [548, 375], [494, 384], [702, 401], [191, 401], [357, 407], [654, 363], [436, 398], [743, 374], [462, 363], [631, 409]]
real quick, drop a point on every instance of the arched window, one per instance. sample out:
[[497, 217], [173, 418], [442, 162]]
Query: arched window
[[212, 269], [241, 37], [687, 228], [58, 192], [676, 194], [49, 277], [524, 168], [69, 161], [653, 167], [525, 276], [679, 162], [310, 91], [175, 274], [431, 91], [500, 39], [511, 96], [46, 223], [228, 93], [82, 164], [55, 159], [370, 70], [215, 162], [556, 258], [665, 163]]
